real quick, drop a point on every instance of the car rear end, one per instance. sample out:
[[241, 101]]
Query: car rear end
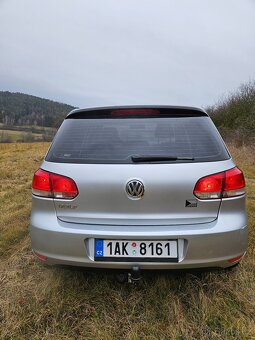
[[153, 187]]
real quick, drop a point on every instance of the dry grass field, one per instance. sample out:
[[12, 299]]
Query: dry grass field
[[39, 302], [17, 134], [14, 136]]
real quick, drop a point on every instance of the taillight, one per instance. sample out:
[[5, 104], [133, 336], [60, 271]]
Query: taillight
[[48, 184], [234, 183], [224, 184], [209, 187]]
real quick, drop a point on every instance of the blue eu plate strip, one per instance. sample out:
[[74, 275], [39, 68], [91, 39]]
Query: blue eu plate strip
[[99, 248]]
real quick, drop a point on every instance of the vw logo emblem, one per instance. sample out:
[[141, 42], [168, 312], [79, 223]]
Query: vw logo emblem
[[135, 189]]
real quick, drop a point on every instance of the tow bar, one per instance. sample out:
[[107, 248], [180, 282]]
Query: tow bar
[[133, 276]]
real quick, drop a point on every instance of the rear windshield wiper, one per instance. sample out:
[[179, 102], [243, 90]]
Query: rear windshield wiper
[[158, 158]]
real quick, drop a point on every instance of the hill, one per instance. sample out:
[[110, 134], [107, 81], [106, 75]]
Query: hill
[[234, 115], [23, 110]]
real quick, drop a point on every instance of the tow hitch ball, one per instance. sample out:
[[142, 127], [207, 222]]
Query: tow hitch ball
[[134, 276]]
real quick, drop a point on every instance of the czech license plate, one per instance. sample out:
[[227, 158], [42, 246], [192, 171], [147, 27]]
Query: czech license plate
[[132, 250]]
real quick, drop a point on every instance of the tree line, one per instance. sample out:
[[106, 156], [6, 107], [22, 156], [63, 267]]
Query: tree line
[[22, 109], [234, 115]]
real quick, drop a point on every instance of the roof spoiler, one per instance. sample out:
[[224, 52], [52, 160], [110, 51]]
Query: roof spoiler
[[136, 112]]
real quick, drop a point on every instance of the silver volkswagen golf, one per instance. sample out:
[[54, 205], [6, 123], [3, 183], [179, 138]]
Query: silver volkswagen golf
[[151, 187]]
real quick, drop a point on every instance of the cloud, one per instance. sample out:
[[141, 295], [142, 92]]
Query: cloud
[[126, 52]]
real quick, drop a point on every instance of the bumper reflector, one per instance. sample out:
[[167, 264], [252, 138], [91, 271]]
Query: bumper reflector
[[235, 259], [39, 256]]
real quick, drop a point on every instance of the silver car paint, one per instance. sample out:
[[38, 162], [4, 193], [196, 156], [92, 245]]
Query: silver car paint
[[103, 199]]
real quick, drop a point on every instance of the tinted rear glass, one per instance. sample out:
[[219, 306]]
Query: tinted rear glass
[[116, 140]]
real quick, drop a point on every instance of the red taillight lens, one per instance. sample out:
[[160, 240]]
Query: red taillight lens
[[41, 183], [234, 184], [209, 187], [63, 187], [47, 184], [224, 184]]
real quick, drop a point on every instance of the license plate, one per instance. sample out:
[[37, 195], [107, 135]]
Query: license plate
[[132, 250]]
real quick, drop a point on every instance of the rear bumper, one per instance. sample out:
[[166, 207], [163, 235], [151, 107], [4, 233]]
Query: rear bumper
[[68, 245], [200, 245]]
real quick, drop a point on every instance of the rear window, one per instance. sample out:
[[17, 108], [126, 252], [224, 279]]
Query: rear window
[[107, 140]]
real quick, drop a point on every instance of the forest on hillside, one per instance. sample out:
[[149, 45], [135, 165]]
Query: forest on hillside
[[26, 110]]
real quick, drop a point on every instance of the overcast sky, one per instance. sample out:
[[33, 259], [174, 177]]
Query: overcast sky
[[103, 52]]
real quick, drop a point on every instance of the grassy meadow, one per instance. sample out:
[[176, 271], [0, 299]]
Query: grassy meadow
[[17, 134], [40, 302], [14, 136]]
